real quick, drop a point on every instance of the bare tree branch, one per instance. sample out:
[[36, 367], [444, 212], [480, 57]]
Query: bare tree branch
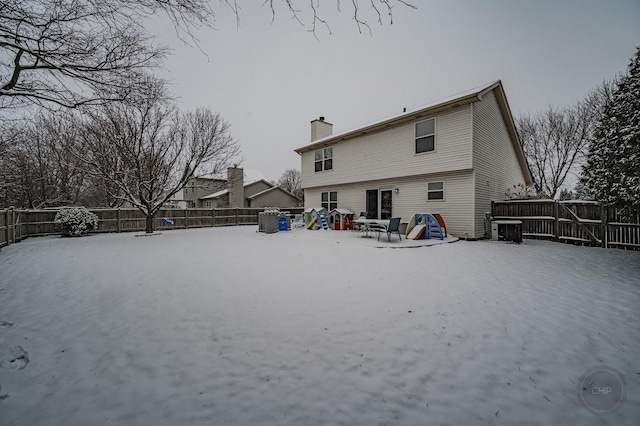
[[146, 151], [555, 142]]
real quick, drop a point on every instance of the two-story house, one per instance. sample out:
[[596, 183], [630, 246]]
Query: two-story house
[[201, 192], [453, 157]]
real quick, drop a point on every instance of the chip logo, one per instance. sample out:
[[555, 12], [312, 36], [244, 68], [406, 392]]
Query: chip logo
[[602, 390]]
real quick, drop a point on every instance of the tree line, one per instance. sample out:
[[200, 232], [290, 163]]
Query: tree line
[[84, 121], [137, 152], [594, 142]]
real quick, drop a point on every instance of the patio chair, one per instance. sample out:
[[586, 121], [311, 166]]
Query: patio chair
[[393, 228], [358, 226]]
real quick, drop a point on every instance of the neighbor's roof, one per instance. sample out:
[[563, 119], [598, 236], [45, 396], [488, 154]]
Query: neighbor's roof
[[463, 98], [215, 195], [273, 188], [310, 209], [226, 191], [342, 211]]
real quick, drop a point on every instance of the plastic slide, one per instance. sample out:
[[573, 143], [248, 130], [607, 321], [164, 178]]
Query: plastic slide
[[312, 224], [416, 232]]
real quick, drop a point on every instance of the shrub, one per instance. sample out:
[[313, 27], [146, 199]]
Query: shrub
[[75, 221]]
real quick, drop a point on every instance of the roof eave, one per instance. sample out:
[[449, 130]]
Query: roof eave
[[503, 103], [392, 122]]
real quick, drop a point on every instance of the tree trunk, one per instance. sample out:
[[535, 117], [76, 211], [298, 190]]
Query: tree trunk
[[149, 226]]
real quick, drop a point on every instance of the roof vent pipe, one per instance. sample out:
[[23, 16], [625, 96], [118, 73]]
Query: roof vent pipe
[[321, 118]]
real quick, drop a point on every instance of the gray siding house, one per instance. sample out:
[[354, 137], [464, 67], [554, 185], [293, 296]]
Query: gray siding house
[[237, 193], [453, 157]]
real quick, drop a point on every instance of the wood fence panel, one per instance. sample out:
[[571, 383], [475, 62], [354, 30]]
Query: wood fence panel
[[576, 222], [16, 225], [4, 228]]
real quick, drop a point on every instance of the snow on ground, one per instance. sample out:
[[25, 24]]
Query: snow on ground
[[228, 326]]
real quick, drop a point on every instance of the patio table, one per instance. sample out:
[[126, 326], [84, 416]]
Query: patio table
[[366, 224]]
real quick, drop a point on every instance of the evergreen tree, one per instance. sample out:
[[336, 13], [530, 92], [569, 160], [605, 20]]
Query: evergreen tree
[[612, 172]]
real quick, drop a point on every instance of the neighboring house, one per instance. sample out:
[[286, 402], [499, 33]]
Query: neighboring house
[[257, 193], [199, 187], [453, 158]]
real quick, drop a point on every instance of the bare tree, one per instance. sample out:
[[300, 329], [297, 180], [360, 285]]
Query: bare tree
[[555, 141], [146, 151], [74, 52], [60, 52], [291, 180], [38, 169], [359, 14]]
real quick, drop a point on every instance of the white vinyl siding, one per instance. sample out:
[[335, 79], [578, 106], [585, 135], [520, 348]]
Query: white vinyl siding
[[411, 198], [391, 153], [495, 163]]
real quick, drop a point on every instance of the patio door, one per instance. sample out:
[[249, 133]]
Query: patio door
[[386, 204], [379, 203], [372, 204]]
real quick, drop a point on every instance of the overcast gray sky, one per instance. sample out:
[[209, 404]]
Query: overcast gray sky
[[271, 79]]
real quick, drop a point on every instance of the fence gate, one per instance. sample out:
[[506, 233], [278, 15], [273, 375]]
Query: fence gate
[[577, 222]]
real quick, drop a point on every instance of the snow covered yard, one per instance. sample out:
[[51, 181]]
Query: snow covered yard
[[227, 326]]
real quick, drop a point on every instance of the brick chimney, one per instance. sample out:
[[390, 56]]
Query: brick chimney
[[235, 183], [320, 129]]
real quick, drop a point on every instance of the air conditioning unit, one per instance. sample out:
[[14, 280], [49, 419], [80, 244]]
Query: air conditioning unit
[[506, 230]]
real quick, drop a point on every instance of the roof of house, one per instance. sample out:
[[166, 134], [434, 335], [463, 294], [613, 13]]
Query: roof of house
[[342, 211], [317, 209], [215, 195], [273, 188], [226, 191], [463, 98]]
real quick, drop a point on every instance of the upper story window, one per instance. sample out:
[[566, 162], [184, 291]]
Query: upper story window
[[324, 159], [435, 191], [426, 136]]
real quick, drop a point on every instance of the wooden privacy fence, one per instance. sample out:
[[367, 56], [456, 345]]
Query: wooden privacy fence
[[580, 222], [16, 225]]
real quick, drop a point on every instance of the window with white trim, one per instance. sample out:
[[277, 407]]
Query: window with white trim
[[426, 136], [324, 159], [435, 191], [208, 203], [330, 200]]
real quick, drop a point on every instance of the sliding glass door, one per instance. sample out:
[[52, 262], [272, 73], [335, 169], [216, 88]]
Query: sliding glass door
[[372, 204], [379, 203], [385, 204]]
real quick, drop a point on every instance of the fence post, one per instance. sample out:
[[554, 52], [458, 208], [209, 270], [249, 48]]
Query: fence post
[[186, 218], [556, 221], [6, 230], [237, 223], [604, 226], [13, 226], [213, 217], [118, 218]]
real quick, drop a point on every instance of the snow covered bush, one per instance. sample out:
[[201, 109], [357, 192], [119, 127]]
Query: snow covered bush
[[75, 221]]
